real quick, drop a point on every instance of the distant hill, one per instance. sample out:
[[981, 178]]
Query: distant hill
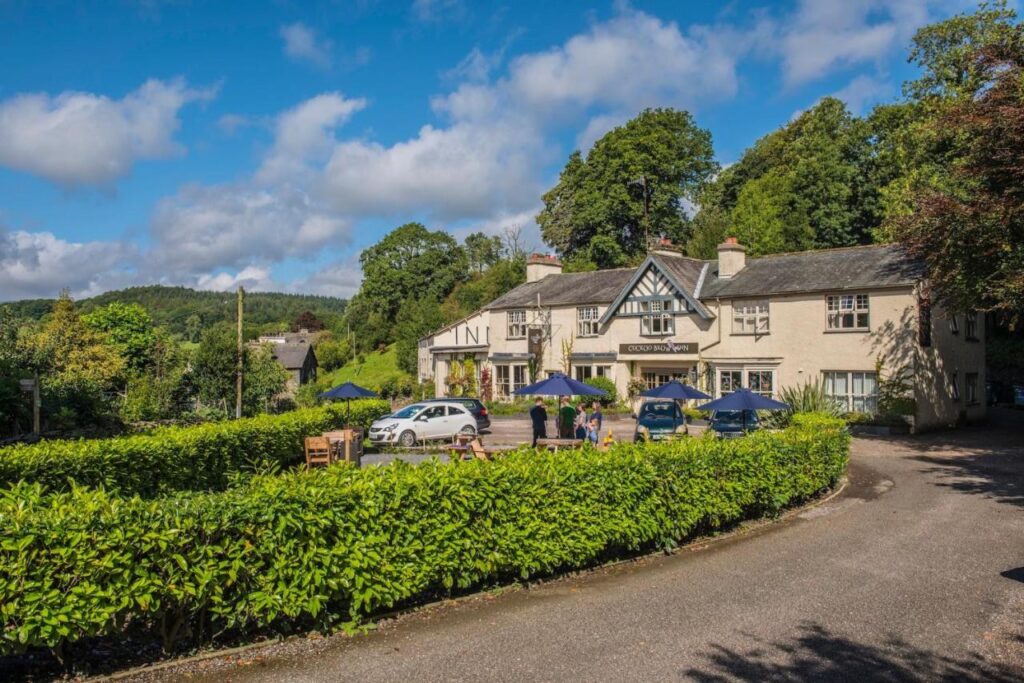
[[172, 307]]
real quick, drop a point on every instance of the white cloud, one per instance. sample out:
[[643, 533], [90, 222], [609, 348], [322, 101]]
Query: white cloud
[[302, 45], [488, 159], [824, 35], [341, 279], [437, 10], [864, 91], [39, 264], [204, 228], [304, 133], [79, 139], [253, 278]]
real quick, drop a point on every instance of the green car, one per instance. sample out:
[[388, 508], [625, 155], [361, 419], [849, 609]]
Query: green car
[[657, 420]]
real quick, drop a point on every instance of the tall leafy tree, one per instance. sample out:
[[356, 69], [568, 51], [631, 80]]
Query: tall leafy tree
[[634, 181], [128, 328], [416, 318], [409, 262], [968, 226], [483, 251], [770, 216]]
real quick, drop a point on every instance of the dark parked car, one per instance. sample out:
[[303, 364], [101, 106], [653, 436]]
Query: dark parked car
[[730, 423], [473, 405], [657, 420]]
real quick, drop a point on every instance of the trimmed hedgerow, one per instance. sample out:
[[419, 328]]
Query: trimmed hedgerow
[[317, 548], [197, 458]]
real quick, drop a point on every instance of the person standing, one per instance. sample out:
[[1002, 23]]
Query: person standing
[[566, 420], [580, 423], [539, 417], [596, 415], [593, 430]]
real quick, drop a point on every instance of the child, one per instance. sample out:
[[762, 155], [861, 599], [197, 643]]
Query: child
[[593, 431]]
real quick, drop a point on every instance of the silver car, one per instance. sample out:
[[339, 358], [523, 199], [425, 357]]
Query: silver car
[[422, 422]]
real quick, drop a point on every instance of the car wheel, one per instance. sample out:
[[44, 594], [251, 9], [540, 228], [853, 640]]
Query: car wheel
[[407, 438], [468, 430]]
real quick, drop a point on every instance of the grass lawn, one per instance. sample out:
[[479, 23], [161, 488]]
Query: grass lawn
[[378, 368]]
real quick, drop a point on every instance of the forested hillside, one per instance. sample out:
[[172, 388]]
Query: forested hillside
[[186, 312]]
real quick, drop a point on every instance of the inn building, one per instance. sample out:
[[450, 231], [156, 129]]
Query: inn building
[[841, 316]]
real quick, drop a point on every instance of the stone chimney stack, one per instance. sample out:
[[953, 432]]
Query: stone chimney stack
[[732, 258], [539, 266]]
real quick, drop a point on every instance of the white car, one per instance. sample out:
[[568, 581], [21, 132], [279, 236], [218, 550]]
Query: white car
[[421, 422]]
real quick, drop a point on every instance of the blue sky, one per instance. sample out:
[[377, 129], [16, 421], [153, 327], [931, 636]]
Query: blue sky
[[195, 143]]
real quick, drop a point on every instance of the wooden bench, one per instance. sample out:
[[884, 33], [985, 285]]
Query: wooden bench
[[555, 444]]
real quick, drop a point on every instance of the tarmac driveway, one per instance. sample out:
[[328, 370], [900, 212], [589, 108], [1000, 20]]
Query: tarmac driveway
[[915, 572]]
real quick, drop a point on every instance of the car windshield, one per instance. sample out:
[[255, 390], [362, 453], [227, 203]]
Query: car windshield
[[408, 411], [655, 411], [733, 418]]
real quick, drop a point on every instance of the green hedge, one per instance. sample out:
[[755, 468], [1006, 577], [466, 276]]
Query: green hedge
[[196, 458], [316, 548]]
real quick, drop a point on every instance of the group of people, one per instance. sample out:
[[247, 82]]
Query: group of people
[[572, 422]]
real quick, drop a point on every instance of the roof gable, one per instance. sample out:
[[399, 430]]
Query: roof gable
[[658, 277]]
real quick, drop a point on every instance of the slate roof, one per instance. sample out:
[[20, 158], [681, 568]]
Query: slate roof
[[685, 270], [850, 268], [567, 289], [290, 356]]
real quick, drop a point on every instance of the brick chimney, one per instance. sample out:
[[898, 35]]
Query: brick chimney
[[732, 257], [666, 247], [539, 266]]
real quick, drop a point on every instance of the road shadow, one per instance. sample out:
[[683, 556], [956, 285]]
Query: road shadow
[[815, 654]]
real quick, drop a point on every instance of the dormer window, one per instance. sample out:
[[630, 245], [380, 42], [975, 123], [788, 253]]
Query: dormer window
[[516, 325], [656, 320], [847, 311]]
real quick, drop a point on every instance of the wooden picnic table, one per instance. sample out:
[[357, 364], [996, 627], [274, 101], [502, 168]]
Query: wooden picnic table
[[347, 444], [555, 444]]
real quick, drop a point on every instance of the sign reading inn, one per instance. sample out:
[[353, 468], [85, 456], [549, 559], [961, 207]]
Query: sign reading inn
[[761, 323]]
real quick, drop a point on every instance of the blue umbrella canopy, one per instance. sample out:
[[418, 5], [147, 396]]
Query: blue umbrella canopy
[[348, 390], [675, 390], [559, 385], [744, 399]]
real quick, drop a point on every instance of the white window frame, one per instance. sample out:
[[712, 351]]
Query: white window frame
[[582, 373], [733, 385], [502, 376], [587, 321], [516, 324], [843, 308], [751, 316], [849, 400], [747, 372], [657, 319]]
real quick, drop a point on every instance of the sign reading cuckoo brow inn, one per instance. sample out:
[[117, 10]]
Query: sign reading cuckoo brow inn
[[663, 347]]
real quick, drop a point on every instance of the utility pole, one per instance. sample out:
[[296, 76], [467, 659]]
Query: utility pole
[[36, 402], [240, 353]]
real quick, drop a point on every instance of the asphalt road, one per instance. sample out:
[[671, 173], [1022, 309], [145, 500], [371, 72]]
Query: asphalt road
[[915, 572]]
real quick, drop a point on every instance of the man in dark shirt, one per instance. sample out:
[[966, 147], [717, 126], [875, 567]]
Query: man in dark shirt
[[539, 417]]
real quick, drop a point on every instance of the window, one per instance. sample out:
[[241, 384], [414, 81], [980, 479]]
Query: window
[[452, 410], [750, 317], [729, 381], [518, 377], [657, 318], [501, 380], [586, 321], [655, 378], [971, 384], [954, 325], [954, 386], [603, 370], [971, 326], [847, 311], [854, 392], [761, 382], [583, 373], [517, 324]]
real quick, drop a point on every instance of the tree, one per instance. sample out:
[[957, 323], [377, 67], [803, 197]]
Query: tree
[[483, 251], [416, 318], [711, 226], [633, 182], [307, 320], [214, 367], [770, 216], [79, 372], [409, 262], [128, 328], [820, 161], [968, 227]]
